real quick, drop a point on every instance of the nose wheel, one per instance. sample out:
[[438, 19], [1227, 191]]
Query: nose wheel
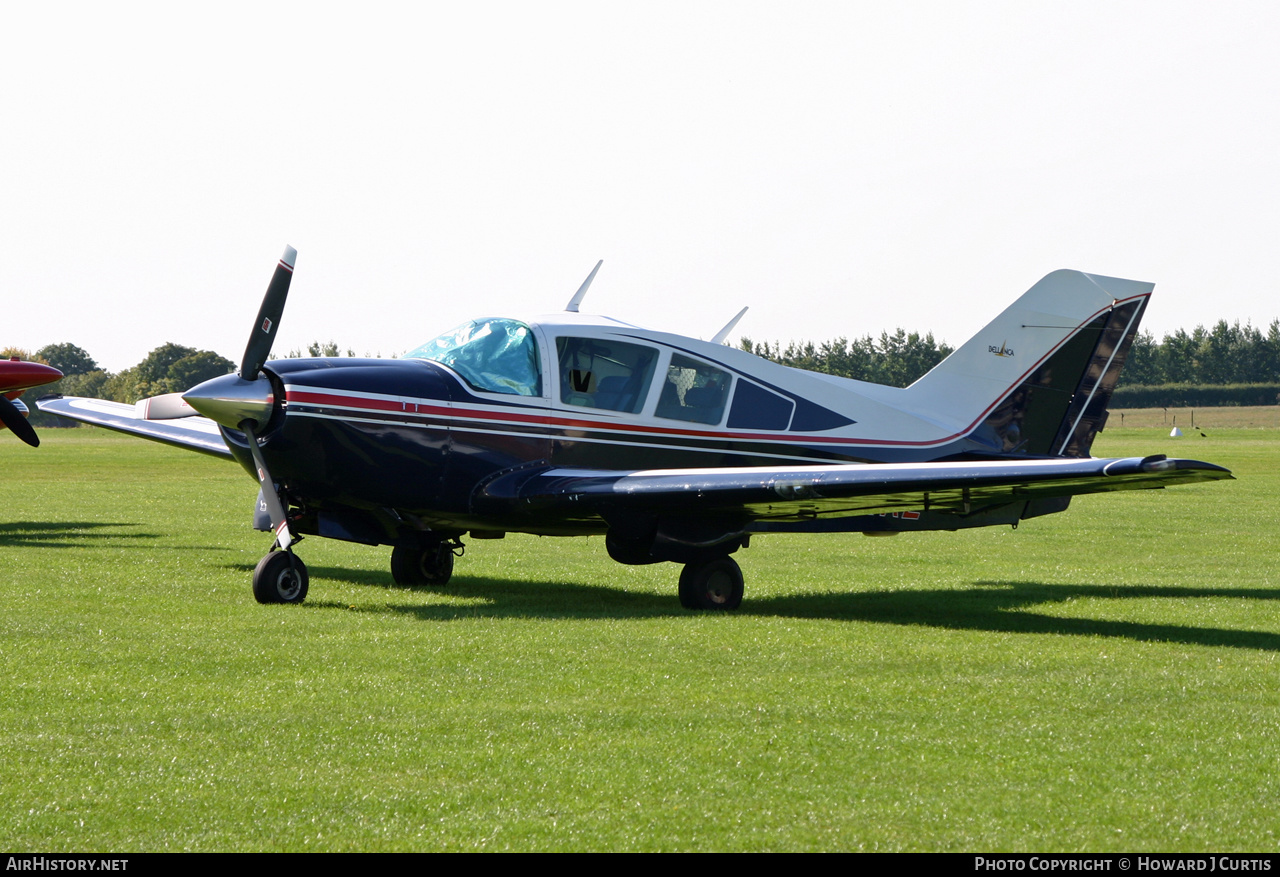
[[280, 577]]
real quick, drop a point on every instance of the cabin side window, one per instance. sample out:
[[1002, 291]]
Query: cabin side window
[[754, 407], [493, 356], [694, 391], [613, 375]]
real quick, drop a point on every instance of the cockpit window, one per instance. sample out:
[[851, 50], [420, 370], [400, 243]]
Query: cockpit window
[[596, 373], [493, 356], [694, 390]]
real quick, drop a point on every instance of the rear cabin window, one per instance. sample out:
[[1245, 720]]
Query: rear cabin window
[[754, 407], [607, 374], [493, 356], [693, 390]]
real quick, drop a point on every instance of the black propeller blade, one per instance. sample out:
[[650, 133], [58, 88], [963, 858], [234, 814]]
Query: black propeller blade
[[12, 418], [264, 330], [255, 356]]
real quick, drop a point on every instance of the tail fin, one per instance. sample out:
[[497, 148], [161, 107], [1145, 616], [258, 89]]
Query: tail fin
[[1038, 379]]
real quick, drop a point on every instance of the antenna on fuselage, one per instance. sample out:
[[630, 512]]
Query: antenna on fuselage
[[724, 333], [572, 306]]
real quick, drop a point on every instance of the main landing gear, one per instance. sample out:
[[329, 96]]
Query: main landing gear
[[426, 564], [714, 584], [280, 577]]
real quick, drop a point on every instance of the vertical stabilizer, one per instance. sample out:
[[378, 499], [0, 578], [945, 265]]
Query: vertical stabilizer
[[1038, 378]]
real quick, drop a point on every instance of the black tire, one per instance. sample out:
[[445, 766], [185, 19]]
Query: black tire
[[422, 565], [716, 584], [280, 577]]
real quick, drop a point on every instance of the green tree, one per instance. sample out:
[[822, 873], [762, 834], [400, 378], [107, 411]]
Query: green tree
[[1269, 354], [91, 384], [1142, 363], [17, 352], [124, 386], [317, 348], [151, 375], [195, 369], [1177, 358], [67, 358]]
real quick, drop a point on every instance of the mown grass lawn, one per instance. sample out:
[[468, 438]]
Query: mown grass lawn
[[1105, 679]]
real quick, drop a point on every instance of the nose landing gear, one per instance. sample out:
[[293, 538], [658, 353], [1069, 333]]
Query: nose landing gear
[[280, 577]]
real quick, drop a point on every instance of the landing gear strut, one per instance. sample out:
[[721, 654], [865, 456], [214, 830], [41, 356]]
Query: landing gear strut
[[428, 563], [280, 577], [715, 584]]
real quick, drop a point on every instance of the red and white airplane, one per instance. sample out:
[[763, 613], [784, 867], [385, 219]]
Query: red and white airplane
[[672, 448], [17, 376]]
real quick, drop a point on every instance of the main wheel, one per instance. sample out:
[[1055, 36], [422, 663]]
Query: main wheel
[[280, 577], [418, 565], [716, 584]]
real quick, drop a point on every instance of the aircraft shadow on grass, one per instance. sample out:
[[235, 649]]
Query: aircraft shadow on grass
[[997, 607], [64, 534], [1004, 607]]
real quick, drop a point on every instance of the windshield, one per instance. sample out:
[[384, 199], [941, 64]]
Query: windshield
[[494, 356]]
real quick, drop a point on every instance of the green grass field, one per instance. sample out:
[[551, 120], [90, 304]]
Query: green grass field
[[1106, 679]]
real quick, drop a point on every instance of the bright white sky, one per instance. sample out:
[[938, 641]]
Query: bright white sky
[[842, 168]]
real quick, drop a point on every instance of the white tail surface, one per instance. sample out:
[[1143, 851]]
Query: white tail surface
[[969, 382]]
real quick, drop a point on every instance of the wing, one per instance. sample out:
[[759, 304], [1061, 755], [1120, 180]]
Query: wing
[[793, 493], [193, 433]]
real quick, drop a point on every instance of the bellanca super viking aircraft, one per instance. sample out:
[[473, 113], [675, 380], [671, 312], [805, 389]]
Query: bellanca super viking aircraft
[[674, 449]]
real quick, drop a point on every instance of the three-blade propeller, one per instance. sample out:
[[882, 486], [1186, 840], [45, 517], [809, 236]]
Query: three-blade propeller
[[246, 401], [255, 356]]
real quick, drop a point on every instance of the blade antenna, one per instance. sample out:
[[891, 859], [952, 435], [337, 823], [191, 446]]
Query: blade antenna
[[572, 306], [724, 333]]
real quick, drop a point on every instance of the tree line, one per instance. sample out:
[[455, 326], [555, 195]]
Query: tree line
[[1225, 354], [170, 368], [896, 359]]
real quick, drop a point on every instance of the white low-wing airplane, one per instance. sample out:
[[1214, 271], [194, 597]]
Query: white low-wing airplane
[[674, 449]]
